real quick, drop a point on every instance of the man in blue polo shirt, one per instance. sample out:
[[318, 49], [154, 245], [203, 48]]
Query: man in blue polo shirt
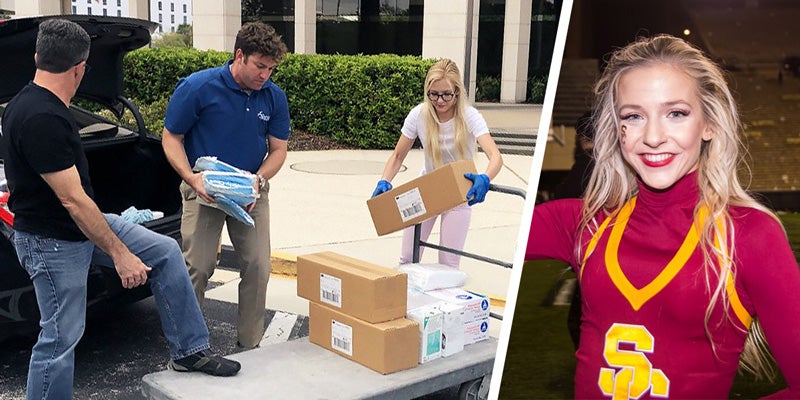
[[237, 114]]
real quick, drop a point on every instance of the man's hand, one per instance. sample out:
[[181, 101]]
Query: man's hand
[[196, 182], [131, 270], [257, 189]]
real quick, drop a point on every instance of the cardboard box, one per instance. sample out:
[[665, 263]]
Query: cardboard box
[[476, 306], [385, 347], [476, 311], [453, 325], [453, 328], [364, 290], [475, 331], [421, 198], [430, 320]]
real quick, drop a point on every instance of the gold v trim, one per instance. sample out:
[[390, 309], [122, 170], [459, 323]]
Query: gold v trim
[[638, 297]]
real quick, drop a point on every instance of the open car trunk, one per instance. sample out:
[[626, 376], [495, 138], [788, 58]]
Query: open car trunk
[[132, 171], [127, 166], [126, 170]]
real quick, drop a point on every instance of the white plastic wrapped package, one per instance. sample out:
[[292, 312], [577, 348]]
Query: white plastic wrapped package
[[433, 276], [231, 187]]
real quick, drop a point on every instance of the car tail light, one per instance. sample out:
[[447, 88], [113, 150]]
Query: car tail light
[[5, 214]]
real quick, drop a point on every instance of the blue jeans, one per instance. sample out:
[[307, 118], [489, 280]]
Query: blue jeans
[[59, 271]]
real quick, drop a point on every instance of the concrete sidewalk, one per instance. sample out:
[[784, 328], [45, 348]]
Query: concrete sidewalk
[[318, 203]]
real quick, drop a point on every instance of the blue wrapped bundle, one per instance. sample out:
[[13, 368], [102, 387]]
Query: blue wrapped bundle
[[231, 187], [237, 187], [210, 163], [132, 215]]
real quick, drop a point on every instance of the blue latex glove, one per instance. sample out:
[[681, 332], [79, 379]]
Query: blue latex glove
[[480, 185], [383, 186]]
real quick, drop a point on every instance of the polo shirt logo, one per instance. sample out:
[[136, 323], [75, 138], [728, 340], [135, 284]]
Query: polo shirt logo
[[263, 117]]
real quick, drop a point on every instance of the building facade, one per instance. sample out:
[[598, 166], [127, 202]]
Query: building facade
[[118, 8], [431, 29], [169, 14]]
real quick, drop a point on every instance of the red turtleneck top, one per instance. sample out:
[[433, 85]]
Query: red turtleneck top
[[643, 330]]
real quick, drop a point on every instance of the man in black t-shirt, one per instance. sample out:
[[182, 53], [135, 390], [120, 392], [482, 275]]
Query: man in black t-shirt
[[58, 228]]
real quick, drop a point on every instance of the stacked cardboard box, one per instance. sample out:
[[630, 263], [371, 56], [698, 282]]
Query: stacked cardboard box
[[476, 311], [465, 315], [452, 315], [430, 320], [357, 310]]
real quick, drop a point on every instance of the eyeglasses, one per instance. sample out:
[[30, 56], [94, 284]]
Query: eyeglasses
[[433, 96]]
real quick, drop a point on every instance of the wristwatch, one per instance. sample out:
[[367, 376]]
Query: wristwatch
[[261, 181]]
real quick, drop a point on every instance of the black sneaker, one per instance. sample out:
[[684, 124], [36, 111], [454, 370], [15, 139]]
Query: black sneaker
[[206, 363]]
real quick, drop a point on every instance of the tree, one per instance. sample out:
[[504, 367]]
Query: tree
[[182, 37]]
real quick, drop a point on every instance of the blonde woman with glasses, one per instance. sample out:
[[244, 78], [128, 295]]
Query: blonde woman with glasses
[[448, 128]]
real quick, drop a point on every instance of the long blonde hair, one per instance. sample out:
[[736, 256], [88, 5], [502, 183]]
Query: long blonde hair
[[445, 69], [613, 182]]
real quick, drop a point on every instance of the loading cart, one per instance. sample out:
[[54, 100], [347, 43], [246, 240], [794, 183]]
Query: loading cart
[[299, 369], [478, 387]]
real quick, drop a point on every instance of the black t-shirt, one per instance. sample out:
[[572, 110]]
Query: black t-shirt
[[39, 135]]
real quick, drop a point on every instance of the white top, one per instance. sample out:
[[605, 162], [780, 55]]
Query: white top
[[414, 127]]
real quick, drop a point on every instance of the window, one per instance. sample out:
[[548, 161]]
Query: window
[[172, 7], [184, 8], [159, 6], [184, 20], [74, 10], [160, 20], [105, 2], [89, 11], [119, 13], [119, 3], [172, 18], [105, 12]]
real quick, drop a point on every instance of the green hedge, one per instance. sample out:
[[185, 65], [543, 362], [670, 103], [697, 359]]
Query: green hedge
[[354, 99], [152, 73], [358, 100]]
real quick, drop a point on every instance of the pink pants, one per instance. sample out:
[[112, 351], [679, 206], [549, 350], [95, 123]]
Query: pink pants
[[453, 234]]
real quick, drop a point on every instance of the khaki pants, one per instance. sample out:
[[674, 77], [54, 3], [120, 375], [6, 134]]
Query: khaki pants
[[201, 228]]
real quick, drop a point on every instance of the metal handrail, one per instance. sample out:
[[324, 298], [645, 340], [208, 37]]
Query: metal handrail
[[415, 254]]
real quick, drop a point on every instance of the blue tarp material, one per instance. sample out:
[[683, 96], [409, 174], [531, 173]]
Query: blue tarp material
[[231, 187]]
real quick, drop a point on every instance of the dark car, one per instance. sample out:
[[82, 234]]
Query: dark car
[[127, 165]]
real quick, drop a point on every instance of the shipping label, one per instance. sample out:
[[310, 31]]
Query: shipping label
[[330, 290], [410, 204], [342, 337]]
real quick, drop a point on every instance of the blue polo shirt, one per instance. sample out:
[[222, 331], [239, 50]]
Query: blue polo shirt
[[218, 118]]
